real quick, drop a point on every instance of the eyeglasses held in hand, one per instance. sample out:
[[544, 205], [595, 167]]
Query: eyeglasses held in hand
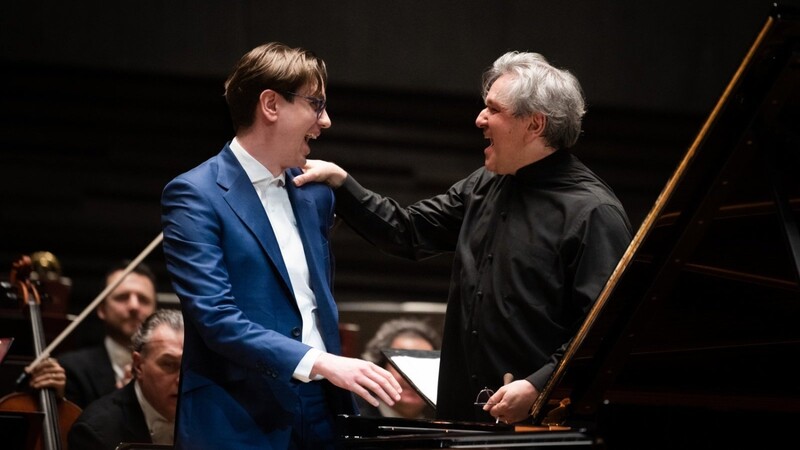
[[318, 103], [483, 397]]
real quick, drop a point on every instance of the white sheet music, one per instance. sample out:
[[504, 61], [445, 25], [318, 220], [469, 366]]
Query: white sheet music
[[423, 373]]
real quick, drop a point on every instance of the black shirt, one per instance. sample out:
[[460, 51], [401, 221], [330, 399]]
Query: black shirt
[[532, 252]]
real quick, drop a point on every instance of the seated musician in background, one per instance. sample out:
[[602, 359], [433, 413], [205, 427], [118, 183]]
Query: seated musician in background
[[144, 410], [406, 334], [100, 369]]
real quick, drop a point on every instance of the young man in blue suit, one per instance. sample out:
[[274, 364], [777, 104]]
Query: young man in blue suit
[[249, 257]]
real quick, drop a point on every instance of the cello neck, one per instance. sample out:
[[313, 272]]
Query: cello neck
[[51, 435]]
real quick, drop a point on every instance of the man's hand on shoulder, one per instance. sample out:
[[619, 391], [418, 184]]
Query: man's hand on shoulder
[[320, 171]]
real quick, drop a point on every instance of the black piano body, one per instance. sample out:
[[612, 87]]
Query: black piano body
[[389, 432], [695, 340]]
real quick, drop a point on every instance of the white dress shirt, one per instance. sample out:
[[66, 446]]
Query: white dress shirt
[[121, 360], [161, 430], [275, 200]]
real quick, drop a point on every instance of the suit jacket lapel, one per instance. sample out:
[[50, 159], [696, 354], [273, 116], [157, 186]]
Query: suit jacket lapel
[[308, 225], [244, 201], [103, 376]]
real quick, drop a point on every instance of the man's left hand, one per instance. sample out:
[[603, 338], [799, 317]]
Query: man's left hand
[[512, 402]]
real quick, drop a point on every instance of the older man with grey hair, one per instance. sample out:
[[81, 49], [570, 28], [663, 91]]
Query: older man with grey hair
[[535, 233], [144, 410]]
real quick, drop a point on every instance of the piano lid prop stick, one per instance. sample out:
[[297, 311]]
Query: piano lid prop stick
[[507, 378]]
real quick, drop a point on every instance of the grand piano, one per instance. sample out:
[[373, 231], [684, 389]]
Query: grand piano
[[695, 340]]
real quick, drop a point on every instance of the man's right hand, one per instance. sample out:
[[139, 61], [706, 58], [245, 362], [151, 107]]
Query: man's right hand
[[358, 376]]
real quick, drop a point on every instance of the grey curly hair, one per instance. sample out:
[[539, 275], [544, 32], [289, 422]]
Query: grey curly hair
[[142, 337], [390, 330], [538, 87]]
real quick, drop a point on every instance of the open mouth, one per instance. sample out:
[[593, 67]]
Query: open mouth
[[311, 136]]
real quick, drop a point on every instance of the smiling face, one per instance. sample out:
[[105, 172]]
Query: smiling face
[[299, 125], [505, 132], [157, 369]]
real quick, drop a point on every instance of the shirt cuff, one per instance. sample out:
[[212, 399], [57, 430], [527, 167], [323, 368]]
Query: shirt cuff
[[303, 370]]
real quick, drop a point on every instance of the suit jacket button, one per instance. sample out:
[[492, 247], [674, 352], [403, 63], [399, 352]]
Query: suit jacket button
[[296, 331]]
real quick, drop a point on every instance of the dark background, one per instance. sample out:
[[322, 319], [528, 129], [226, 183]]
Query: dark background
[[104, 102]]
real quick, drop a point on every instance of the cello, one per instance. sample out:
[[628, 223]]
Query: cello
[[59, 414]]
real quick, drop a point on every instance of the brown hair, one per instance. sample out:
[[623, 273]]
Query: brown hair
[[270, 66]]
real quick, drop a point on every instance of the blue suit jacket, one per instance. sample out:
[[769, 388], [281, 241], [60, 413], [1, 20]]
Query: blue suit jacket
[[242, 339]]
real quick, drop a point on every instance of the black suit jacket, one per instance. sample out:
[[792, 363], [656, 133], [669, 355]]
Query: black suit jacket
[[112, 419], [90, 374]]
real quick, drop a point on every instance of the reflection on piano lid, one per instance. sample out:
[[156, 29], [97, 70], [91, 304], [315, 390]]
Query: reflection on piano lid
[[383, 433], [695, 339]]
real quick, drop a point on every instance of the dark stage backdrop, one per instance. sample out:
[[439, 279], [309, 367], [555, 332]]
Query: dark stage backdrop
[[104, 102]]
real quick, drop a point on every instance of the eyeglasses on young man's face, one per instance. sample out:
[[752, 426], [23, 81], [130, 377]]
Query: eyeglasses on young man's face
[[318, 103]]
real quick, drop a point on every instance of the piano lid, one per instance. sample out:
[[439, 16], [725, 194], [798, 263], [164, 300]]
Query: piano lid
[[703, 310]]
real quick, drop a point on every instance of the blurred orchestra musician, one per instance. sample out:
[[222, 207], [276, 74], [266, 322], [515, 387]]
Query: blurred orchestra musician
[[35, 287], [100, 369], [143, 411]]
